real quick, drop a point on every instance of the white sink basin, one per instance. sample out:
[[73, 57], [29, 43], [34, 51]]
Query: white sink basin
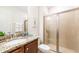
[[14, 42]]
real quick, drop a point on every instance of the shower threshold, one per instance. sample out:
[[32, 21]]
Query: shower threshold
[[61, 49]]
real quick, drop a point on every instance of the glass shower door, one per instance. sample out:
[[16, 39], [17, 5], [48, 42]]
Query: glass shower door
[[50, 29], [69, 31]]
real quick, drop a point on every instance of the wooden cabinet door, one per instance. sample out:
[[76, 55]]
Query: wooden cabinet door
[[32, 47], [18, 50]]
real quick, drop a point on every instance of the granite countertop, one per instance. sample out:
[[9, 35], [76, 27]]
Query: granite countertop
[[13, 44]]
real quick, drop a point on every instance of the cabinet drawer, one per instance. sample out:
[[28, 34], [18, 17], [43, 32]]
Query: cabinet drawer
[[18, 50]]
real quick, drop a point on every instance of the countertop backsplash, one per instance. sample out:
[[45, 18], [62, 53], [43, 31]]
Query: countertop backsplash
[[9, 37]]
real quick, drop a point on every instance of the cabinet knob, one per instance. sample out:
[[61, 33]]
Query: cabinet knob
[[27, 49]]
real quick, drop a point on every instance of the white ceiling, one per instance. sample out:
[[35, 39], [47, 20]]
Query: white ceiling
[[23, 8]]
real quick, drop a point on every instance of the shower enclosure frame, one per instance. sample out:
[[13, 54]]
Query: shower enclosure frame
[[57, 34], [57, 30]]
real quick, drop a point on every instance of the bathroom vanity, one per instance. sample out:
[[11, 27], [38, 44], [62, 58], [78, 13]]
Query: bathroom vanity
[[31, 47], [20, 45]]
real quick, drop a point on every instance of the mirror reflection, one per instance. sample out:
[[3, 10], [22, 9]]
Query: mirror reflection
[[13, 21]]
